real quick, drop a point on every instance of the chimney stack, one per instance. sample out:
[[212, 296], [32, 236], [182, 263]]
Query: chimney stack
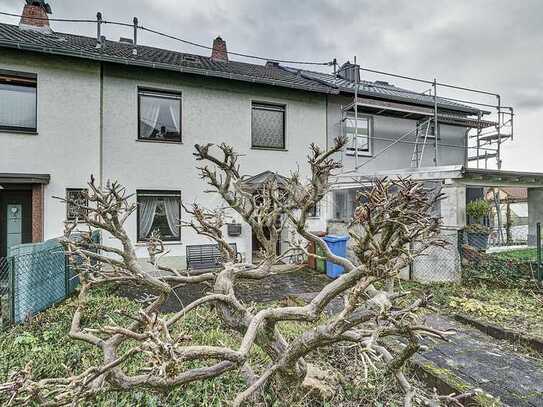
[[219, 53], [349, 71], [35, 16]]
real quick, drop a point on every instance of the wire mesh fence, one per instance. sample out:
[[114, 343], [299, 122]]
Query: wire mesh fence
[[34, 277], [471, 256], [39, 279], [439, 264], [5, 296], [506, 266]]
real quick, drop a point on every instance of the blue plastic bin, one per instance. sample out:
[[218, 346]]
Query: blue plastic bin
[[338, 246]]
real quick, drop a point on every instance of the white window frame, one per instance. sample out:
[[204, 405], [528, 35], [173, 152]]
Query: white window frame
[[350, 130]]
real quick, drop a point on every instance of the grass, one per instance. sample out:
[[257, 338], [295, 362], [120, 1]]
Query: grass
[[43, 342], [529, 254], [514, 308]]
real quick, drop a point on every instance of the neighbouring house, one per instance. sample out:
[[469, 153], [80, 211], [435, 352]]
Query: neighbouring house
[[71, 106], [509, 214]]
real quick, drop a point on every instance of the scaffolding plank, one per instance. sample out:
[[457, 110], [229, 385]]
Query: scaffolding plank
[[494, 136], [482, 157]]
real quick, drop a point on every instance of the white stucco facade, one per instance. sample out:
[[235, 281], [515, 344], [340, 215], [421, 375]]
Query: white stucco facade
[[66, 144], [88, 124]]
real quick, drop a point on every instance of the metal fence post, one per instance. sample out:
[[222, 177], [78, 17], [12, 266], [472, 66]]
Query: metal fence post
[[11, 294], [538, 242]]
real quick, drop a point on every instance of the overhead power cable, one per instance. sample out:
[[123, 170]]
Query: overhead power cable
[[173, 37]]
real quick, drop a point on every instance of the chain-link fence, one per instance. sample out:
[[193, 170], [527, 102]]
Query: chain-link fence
[[39, 279], [5, 297], [469, 255], [438, 263], [32, 278]]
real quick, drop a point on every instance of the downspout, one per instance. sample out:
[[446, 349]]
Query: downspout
[[101, 130], [466, 147]]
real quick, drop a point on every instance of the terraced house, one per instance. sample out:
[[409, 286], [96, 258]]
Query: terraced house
[[71, 106]]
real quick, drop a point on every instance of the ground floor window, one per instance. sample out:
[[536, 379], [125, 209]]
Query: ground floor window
[[76, 200], [159, 211], [345, 202], [315, 211]]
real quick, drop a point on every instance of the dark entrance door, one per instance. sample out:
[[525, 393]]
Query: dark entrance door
[[15, 218]]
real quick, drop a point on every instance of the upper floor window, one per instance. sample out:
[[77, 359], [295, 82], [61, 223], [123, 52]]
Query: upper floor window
[[359, 133], [427, 129], [159, 115], [76, 202], [159, 211], [268, 126], [18, 109]]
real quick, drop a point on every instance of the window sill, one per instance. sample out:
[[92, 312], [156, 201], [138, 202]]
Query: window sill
[[352, 154], [140, 140], [28, 132], [268, 149]]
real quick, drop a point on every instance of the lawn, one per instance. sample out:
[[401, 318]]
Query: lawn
[[527, 254], [44, 343]]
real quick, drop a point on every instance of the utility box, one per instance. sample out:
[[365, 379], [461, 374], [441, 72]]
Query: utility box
[[338, 246], [233, 229]]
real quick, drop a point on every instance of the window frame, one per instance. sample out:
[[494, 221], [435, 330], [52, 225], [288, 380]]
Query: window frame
[[68, 217], [157, 192], [163, 94], [360, 153], [32, 79], [283, 108], [431, 136], [315, 212]]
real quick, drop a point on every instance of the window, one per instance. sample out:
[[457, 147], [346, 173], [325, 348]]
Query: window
[[159, 211], [358, 133], [433, 188], [421, 129], [268, 126], [75, 197], [159, 116], [345, 202], [315, 211], [18, 102]]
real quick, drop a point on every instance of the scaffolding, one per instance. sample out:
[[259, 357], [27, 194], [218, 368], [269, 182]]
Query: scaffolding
[[487, 125]]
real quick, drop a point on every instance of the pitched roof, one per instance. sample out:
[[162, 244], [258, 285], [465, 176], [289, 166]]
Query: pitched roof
[[11, 36], [381, 90], [57, 43]]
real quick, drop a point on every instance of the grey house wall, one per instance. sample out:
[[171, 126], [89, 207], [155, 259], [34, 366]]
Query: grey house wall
[[391, 128]]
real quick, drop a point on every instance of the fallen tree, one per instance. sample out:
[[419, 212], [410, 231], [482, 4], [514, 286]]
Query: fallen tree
[[390, 227]]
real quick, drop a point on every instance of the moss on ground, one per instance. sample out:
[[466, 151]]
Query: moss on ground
[[513, 308]]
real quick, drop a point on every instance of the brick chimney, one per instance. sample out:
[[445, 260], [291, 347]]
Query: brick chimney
[[219, 53], [35, 16]]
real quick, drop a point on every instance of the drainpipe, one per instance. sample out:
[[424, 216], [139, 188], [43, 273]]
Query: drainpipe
[[101, 129]]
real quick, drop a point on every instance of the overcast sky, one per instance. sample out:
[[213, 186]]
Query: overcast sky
[[493, 45]]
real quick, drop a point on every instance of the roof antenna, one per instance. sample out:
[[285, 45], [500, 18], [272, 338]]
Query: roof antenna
[[98, 30], [135, 50]]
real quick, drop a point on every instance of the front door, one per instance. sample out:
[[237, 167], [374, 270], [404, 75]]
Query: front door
[[15, 219]]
